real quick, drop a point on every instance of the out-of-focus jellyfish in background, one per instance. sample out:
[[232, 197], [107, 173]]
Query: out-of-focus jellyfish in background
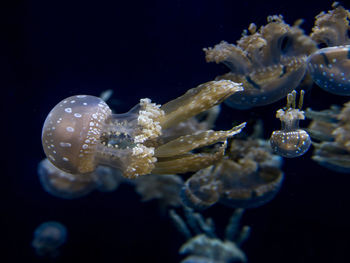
[[48, 238], [249, 176], [65, 185], [162, 187], [331, 128], [81, 133], [269, 62], [291, 141], [203, 245], [330, 66]]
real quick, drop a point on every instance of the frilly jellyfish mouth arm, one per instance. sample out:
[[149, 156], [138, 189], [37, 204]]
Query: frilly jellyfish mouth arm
[[187, 143], [188, 162], [197, 100]]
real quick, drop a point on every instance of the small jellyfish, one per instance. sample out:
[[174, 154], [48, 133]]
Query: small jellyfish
[[81, 133], [48, 238], [269, 62], [291, 141]]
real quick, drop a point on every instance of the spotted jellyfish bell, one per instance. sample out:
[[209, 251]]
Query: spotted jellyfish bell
[[330, 69], [81, 133], [290, 141]]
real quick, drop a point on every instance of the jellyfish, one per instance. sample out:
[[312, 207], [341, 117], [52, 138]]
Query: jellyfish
[[163, 187], [69, 186], [249, 176], [48, 238], [330, 66], [81, 133], [331, 128], [270, 62], [291, 141], [203, 245]]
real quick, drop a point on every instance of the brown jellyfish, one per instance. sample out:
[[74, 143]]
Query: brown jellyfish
[[290, 141], [201, 190], [331, 128], [330, 65], [249, 176], [269, 62], [81, 133]]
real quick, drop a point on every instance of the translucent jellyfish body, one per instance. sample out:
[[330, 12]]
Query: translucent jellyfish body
[[290, 141], [330, 66], [331, 127], [330, 69], [163, 187], [249, 177], [81, 133], [66, 185], [48, 237], [269, 62], [206, 246]]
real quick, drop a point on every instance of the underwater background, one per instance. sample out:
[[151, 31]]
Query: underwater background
[[56, 49]]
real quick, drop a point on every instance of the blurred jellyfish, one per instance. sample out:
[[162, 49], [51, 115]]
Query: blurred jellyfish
[[203, 245], [48, 238], [69, 186], [329, 66], [269, 62], [62, 184], [249, 176], [331, 127], [164, 187]]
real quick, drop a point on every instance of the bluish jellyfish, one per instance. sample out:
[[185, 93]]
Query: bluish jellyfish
[[62, 184], [48, 238], [205, 246], [291, 141], [69, 186]]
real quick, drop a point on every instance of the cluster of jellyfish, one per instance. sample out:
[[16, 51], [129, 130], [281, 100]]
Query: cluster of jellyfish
[[90, 148]]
